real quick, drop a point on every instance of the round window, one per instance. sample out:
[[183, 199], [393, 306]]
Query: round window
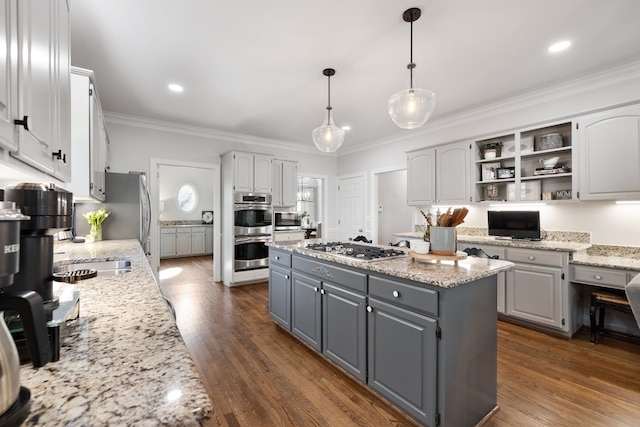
[[187, 198]]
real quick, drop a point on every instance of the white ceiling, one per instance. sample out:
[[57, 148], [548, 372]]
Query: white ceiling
[[255, 67]]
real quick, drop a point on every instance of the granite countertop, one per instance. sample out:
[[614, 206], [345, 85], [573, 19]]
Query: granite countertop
[[124, 363], [183, 223], [445, 274], [624, 257], [577, 243], [546, 245]]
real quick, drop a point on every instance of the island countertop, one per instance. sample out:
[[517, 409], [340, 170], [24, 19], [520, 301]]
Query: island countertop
[[125, 362], [445, 274]]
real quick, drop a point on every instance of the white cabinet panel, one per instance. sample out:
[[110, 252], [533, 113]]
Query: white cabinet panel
[[8, 73], [439, 175], [610, 154]]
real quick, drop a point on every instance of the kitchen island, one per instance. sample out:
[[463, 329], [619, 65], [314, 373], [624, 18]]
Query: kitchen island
[[124, 362], [422, 335]]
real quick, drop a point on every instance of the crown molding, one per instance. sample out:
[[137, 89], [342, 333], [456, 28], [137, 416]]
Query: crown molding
[[202, 132]]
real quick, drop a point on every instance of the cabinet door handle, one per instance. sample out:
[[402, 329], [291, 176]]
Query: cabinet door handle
[[369, 309], [286, 276], [321, 291], [531, 257], [315, 289], [277, 257], [598, 277], [396, 294], [25, 122]]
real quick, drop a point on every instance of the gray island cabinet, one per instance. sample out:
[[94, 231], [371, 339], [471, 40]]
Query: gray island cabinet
[[421, 335]]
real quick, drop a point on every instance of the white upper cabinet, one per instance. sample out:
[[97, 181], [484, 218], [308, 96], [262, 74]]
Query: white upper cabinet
[[285, 183], [421, 177], [34, 98], [610, 154], [439, 175], [8, 74], [452, 173], [88, 138], [252, 172]]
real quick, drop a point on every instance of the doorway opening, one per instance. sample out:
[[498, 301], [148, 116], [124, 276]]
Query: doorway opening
[[184, 232]]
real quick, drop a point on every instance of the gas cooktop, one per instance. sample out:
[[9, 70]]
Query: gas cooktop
[[364, 253]]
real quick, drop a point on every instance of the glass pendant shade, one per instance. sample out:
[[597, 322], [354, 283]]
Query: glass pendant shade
[[411, 108], [328, 138]]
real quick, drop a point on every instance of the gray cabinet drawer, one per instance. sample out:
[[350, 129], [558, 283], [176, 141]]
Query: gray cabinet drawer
[[281, 258], [600, 276], [167, 230], [529, 256], [183, 230], [197, 229], [326, 272], [414, 297]]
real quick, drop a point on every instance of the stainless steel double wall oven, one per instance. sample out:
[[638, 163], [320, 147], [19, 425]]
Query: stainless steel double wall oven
[[252, 229]]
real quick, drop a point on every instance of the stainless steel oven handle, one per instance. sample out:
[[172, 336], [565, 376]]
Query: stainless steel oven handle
[[251, 207], [253, 239]]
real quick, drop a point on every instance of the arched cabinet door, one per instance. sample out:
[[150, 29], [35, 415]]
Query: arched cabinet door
[[609, 154]]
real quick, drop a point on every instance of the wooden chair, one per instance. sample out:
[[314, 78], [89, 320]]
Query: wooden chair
[[601, 300]]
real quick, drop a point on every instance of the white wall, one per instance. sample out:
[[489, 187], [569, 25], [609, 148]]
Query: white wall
[[393, 212], [596, 92]]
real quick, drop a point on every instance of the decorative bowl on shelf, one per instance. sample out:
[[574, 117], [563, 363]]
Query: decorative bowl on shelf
[[550, 162], [549, 141]]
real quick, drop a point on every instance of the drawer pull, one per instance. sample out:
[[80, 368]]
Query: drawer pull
[[597, 277], [277, 257], [322, 291], [531, 257], [286, 276], [369, 309], [396, 294], [315, 289]]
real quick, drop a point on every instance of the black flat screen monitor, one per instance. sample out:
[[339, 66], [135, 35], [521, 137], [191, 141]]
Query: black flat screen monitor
[[514, 224]]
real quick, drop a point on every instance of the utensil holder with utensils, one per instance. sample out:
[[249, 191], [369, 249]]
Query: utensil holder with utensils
[[444, 240]]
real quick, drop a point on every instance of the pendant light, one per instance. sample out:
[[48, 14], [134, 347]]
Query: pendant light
[[412, 107], [328, 137]]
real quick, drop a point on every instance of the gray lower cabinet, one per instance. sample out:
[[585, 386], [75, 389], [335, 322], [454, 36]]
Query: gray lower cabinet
[[329, 312], [280, 287], [306, 321], [280, 295], [344, 329], [402, 358]]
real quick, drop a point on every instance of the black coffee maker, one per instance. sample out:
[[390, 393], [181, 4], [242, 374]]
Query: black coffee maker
[[15, 401], [50, 210]]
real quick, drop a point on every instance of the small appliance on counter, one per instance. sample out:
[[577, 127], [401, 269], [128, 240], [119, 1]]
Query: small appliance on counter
[[15, 401], [48, 211]]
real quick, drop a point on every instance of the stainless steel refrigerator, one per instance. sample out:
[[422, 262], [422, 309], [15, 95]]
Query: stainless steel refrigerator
[[127, 198]]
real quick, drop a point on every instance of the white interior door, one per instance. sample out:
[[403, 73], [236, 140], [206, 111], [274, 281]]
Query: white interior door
[[351, 202]]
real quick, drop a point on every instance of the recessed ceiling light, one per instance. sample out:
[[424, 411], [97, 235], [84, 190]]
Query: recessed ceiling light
[[175, 88], [559, 46]]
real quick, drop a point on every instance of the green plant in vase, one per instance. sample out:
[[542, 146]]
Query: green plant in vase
[[95, 220]]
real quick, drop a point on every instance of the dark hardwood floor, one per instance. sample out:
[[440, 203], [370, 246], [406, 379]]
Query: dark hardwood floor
[[257, 374]]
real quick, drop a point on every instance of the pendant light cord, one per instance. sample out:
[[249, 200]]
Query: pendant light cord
[[328, 98], [411, 64]]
